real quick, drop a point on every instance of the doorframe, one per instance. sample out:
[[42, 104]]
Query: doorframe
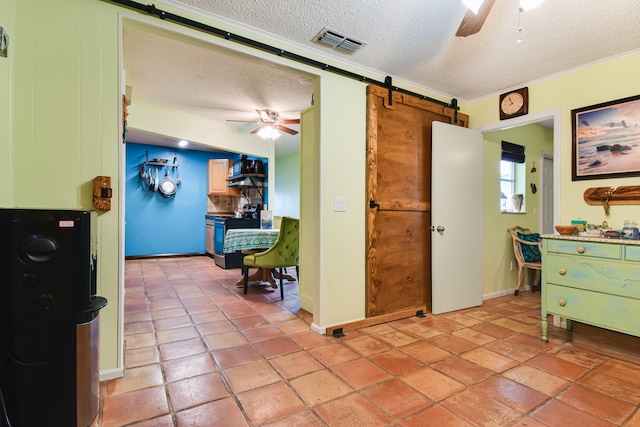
[[118, 372], [555, 114], [545, 156]]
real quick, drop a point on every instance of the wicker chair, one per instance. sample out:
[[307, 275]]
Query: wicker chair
[[527, 253], [283, 253]]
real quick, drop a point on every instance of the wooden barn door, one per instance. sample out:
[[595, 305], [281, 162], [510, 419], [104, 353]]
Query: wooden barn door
[[399, 198]]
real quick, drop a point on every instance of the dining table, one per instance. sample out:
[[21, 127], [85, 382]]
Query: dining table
[[253, 240], [249, 239]]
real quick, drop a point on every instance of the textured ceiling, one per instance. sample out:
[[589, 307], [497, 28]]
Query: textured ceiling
[[410, 40], [414, 39]]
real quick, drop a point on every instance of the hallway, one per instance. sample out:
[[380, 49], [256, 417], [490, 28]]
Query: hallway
[[200, 353]]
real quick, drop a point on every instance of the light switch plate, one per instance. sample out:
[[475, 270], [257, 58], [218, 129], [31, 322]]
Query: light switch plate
[[339, 204]]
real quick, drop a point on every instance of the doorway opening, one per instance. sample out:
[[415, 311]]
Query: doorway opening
[[550, 119]]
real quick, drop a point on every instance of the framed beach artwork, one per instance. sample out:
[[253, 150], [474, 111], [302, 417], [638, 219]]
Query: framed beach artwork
[[606, 140]]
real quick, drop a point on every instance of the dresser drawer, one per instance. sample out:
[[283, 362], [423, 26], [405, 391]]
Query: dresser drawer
[[607, 311], [632, 253], [585, 249], [610, 277]]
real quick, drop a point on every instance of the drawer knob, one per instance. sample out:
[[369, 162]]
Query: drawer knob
[[562, 271], [580, 249], [562, 302]]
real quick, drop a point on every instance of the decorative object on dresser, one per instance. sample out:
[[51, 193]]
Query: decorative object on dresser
[[593, 281], [526, 249], [566, 230]]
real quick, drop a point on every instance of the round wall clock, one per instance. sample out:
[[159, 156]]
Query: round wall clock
[[514, 103]]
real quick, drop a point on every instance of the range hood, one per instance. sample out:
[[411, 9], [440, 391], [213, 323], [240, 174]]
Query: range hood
[[246, 182]]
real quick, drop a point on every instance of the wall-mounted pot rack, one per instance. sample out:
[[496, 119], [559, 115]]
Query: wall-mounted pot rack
[[605, 196], [160, 162]]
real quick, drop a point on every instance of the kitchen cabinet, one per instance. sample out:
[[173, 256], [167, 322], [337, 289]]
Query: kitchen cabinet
[[593, 281], [218, 174], [209, 232]]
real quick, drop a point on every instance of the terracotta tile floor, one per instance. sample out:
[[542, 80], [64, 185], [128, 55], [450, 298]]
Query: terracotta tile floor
[[200, 353]]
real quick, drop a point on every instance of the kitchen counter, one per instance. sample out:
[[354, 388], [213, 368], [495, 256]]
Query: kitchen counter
[[211, 215]]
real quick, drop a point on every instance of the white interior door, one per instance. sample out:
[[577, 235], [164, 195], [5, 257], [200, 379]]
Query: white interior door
[[456, 218]]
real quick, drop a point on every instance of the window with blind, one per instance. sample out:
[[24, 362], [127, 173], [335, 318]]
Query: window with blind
[[512, 178]]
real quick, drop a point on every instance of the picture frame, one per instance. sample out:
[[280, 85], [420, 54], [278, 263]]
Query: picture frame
[[606, 140]]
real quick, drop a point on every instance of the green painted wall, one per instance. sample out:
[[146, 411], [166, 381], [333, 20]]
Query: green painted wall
[[602, 82], [7, 17], [63, 109], [64, 126], [496, 245], [287, 192]]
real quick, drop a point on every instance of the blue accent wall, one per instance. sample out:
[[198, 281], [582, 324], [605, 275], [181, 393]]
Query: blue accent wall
[[156, 225]]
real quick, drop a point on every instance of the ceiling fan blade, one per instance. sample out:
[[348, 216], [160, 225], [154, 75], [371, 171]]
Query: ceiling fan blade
[[266, 115], [256, 130], [472, 23], [286, 129], [290, 121], [242, 121]]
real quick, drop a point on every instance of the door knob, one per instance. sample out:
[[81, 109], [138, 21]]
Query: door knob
[[439, 228]]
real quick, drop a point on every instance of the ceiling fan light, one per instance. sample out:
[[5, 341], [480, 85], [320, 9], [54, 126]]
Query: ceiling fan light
[[529, 4], [269, 132], [474, 5]]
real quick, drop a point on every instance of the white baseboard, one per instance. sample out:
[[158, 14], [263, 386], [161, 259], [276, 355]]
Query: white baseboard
[[111, 374], [504, 292], [318, 329]]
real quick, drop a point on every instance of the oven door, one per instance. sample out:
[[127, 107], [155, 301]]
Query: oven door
[[218, 235]]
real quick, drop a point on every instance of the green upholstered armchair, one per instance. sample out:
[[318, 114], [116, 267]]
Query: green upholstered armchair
[[283, 253]]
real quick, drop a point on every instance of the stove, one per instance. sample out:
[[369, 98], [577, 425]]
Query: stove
[[251, 211], [250, 219]]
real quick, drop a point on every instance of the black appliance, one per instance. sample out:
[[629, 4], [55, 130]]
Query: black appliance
[[243, 166], [250, 219], [49, 317], [258, 167], [251, 211]]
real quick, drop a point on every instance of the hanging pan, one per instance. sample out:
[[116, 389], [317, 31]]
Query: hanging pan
[[168, 185]]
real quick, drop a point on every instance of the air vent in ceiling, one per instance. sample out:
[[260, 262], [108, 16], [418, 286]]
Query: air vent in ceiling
[[338, 41]]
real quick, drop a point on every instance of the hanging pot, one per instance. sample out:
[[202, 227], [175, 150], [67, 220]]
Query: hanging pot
[[168, 186], [156, 181], [175, 163]]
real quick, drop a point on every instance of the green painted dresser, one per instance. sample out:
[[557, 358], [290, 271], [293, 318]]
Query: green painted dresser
[[591, 280]]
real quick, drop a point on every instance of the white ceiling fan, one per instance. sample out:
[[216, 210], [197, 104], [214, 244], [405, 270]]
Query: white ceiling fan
[[478, 12], [271, 124]]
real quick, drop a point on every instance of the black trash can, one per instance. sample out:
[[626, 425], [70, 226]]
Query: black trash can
[[49, 318]]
